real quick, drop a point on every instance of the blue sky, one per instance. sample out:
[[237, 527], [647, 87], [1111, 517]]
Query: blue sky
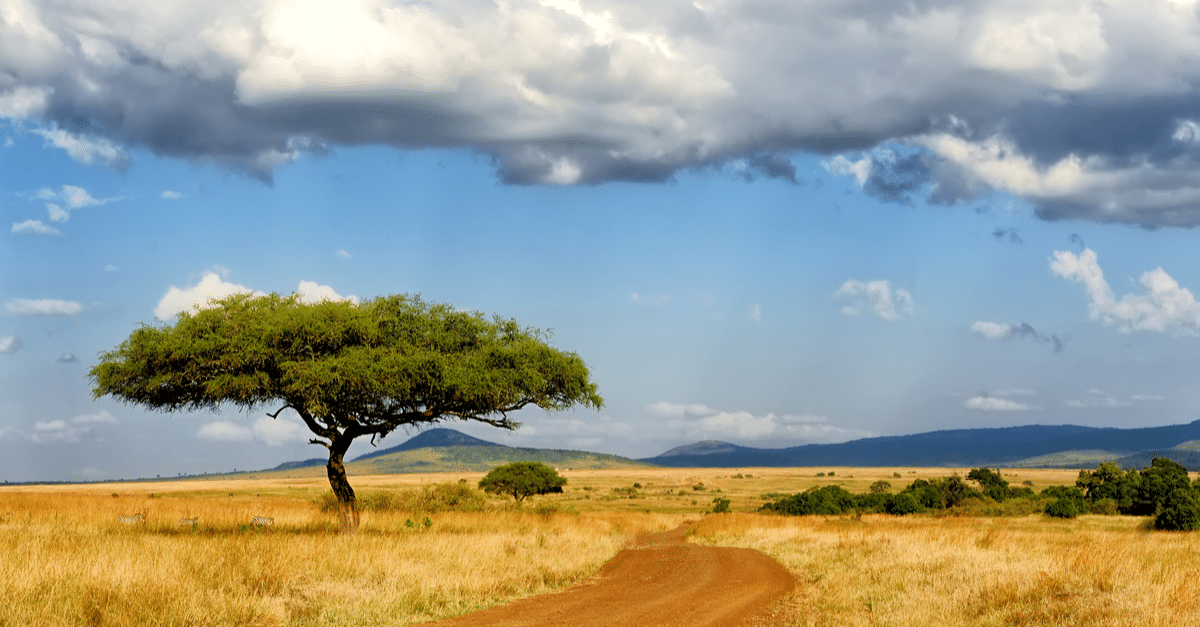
[[749, 236]]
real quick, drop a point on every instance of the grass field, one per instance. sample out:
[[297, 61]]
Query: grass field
[[65, 559]]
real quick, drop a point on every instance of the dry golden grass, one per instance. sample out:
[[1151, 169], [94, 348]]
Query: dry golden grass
[[884, 570], [66, 560]]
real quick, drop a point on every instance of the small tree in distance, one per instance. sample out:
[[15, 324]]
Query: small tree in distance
[[522, 479]]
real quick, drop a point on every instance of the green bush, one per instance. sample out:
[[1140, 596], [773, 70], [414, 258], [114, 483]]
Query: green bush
[[1064, 507], [720, 506], [903, 504], [522, 479], [1180, 512]]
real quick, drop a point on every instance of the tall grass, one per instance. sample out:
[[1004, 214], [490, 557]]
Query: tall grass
[[883, 570], [66, 560]]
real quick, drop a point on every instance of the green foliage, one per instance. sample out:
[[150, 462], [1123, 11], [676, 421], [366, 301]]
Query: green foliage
[[1108, 481], [829, 500], [385, 362], [1063, 508], [1180, 511], [1158, 482], [720, 505], [881, 487], [993, 485], [522, 479], [903, 504]]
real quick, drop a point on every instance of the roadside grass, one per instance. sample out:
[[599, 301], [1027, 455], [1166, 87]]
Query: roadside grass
[[970, 571], [66, 560]]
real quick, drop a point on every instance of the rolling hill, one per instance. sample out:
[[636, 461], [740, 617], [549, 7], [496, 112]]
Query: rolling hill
[[1031, 446], [1057, 446], [447, 450]]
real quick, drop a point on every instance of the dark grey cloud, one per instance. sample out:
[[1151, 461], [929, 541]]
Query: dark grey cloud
[[1087, 110], [1008, 332], [1007, 234]]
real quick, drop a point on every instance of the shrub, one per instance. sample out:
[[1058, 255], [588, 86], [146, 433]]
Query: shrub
[[1106, 507], [720, 506], [1064, 507], [881, 487], [903, 504], [829, 500], [522, 479], [1180, 512]]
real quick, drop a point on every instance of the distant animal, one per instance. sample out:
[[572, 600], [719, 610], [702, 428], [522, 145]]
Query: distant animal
[[262, 521], [136, 519], [187, 522]]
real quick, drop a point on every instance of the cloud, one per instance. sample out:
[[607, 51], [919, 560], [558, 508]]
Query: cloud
[[9, 344], [211, 285], [673, 410], [70, 195], [700, 422], [74, 430], [34, 227], [1010, 234], [1164, 305], [311, 292], [1007, 331], [755, 312], [343, 254], [170, 195], [983, 402], [280, 431], [877, 296], [1086, 109], [224, 431], [1096, 398], [68, 358], [86, 149], [43, 307], [270, 431]]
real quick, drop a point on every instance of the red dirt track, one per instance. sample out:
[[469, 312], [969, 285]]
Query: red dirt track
[[661, 582]]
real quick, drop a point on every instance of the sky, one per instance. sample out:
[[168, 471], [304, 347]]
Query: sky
[[765, 222]]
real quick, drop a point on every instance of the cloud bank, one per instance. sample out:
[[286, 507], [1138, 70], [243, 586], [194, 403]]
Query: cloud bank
[[1089, 110]]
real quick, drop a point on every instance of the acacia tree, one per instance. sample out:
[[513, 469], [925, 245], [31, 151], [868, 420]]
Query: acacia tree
[[348, 370]]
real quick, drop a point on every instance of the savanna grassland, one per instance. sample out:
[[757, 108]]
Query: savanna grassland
[[65, 559]]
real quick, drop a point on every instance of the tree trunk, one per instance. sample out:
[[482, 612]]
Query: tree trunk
[[347, 503]]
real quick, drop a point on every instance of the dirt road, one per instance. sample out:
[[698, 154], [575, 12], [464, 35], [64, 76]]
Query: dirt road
[[661, 582]]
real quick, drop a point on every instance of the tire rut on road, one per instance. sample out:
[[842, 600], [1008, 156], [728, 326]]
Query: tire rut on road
[[662, 581]]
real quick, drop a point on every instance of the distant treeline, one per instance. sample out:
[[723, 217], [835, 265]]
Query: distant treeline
[[1162, 490]]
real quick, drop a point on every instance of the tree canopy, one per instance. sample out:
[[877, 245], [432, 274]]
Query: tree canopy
[[522, 479], [347, 369]]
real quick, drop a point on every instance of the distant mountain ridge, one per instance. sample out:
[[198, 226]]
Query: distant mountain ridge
[[1045, 446], [993, 447], [447, 450]]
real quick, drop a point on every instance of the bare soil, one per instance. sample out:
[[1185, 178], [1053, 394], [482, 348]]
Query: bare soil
[[662, 581]]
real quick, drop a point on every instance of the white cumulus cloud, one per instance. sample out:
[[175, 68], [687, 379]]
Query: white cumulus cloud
[[9, 344], [991, 403], [210, 286], [224, 431], [877, 296], [1163, 305], [74, 430]]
